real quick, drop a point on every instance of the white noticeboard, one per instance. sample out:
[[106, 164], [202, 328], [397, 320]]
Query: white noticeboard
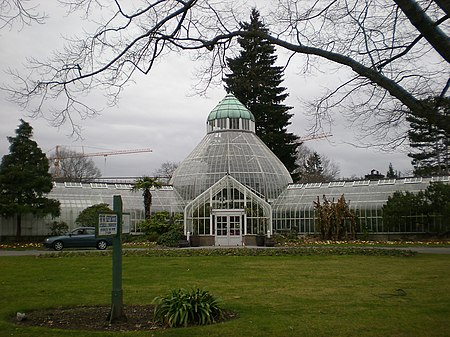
[[107, 224]]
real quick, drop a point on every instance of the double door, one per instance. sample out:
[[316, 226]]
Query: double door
[[228, 229]]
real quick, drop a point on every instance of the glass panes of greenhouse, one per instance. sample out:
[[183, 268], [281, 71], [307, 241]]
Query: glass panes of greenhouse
[[245, 124], [239, 154], [99, 185], [294, 209], [441, 179], [75, 197], [227, 193], [234, 123], [123, 186]]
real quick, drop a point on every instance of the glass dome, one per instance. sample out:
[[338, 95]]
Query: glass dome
[[231, 148]]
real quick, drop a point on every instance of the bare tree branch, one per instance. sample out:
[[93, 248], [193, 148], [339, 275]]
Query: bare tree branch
[[416, 106], [397, 63], [435, 36], [21, 11]]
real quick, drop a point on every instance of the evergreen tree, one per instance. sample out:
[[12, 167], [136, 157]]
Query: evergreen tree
[[429, 143], [391, 173], [24, 179], [314, 167], [312, 171], [255, 81]]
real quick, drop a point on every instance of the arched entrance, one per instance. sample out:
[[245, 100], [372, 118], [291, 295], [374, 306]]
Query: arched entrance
[[227, 214]]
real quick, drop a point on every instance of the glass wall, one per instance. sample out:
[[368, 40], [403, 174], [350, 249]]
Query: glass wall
[[227, 194], [294, 209], [75, 197]]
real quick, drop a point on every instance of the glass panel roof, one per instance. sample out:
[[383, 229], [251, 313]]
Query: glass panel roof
[[84, 194], [359, 194], [240, 154]]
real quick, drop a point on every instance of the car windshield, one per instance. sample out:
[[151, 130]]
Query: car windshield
[[83, 231]]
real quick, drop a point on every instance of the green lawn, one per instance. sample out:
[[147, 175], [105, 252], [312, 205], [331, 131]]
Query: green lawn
[[274, 296]]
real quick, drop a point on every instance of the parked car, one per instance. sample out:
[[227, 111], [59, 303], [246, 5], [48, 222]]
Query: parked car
[[81, 237]]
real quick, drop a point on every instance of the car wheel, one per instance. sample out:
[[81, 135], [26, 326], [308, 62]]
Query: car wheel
[[58, 245], [102, 244]]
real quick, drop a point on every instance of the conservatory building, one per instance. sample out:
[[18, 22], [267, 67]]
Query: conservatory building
[[229, 180], [231, 189]]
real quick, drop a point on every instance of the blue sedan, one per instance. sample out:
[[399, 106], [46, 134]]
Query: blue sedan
[[81, 237]]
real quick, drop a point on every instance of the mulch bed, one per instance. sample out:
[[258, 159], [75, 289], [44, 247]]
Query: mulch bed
[[138, 318]]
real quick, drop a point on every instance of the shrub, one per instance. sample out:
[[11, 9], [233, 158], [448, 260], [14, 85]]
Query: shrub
[[401, 208], [438, 197], [187, 307], [161, 222], [335, 220], [170, 239], [89, 216], [58, 228], [415, 210]]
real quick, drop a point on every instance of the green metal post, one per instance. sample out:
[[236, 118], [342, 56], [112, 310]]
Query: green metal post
[[117, 312]]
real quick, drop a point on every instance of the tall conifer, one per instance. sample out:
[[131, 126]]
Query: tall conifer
[[312, 171], [256, 83], [430, 144], [24, 179]]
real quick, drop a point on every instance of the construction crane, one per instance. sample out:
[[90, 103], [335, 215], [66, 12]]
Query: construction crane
[[313, 137], [56, 159]]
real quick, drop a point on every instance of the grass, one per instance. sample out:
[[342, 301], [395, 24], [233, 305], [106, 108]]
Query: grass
[[273, 295]]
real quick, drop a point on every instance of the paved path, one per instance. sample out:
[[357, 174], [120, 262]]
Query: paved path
[[428, 250], [421, 250]]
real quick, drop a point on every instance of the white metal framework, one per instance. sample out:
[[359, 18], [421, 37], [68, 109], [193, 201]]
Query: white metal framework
[[228, 197]]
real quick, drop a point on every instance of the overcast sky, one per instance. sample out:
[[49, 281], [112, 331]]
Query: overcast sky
[[160, 111]]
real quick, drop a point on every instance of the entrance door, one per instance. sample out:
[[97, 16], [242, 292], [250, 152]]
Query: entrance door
[[228, 230]]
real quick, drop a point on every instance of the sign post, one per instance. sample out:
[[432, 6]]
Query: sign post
[[117, 312]]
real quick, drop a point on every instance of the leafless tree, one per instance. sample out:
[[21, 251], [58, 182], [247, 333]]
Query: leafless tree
[[22, 12], [69, 165], [396, 51], [395, 64], [166, 171]]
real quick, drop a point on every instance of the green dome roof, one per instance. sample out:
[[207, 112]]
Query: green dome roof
[[230, 107]]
